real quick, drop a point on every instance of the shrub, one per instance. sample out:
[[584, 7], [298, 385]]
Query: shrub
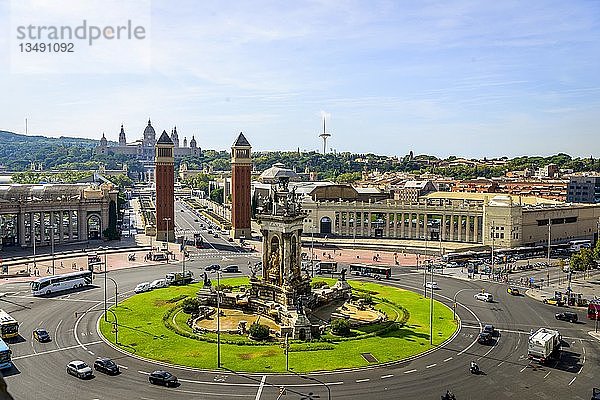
[[190, 306], [340, 327], [319, 284], [366, 297], [259, 331]]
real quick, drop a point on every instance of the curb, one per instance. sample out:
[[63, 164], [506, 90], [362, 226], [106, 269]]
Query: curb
[[226, 372]]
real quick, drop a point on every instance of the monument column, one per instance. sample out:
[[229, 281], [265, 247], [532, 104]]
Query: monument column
[[443, 227], [70, 224], [21, 227], [460, 218], [164, 162], [241, 168]]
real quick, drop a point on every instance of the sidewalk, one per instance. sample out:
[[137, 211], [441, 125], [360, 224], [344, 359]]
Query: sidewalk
[[589, 288]]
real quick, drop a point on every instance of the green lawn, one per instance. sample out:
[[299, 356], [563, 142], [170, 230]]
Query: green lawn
[[142, 332]]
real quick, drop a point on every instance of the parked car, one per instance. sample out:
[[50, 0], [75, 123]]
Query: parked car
[[79, 369], [431, 285], [514, 291], [213, 267], [216, 235], [230, 240], [158, 283], [163, 378], [231, 268], [142, 287], [554, 302], [595, 394], [41, 335], [484, 297], [567, 316], [107, 366], [485, 338]]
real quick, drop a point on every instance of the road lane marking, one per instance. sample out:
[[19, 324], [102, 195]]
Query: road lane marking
[[122, 366], [363, 380], [260, 387], [524, 368], [54, 298], [448, 359], [572, 380], [430, 366], [410, 371], [501, 362], [387, 376], [55, 350], [545, 376]]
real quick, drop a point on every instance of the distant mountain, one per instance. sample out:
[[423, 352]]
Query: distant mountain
[[11, 137]]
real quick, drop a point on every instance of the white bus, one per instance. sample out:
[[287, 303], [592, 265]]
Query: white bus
[[58, 283], [9, 327], [576, 245]]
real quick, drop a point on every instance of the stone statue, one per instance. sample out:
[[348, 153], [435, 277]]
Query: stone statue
[[207, 281], [299, 305]]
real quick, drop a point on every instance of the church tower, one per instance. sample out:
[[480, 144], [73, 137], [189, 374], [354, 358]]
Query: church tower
[[241, 166], [122, 139], [175, 137], [165, 188]]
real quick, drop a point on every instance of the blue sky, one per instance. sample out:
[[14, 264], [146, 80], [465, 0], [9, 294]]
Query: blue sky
[[472, 78]]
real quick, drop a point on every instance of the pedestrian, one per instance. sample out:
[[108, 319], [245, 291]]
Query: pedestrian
[[48, 270], [61, 265]]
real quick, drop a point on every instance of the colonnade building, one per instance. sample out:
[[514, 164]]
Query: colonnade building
[[471, 218], [60, 212]]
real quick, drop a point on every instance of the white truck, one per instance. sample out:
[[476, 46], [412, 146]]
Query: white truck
[[543, 345]]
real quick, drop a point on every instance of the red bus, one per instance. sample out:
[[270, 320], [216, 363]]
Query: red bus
[[594, 309]]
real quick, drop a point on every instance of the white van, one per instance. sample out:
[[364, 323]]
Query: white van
[[142, 287], [158, 283], [487, 297]]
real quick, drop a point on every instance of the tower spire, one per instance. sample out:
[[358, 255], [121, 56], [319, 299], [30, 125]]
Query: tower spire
[[324, 136]]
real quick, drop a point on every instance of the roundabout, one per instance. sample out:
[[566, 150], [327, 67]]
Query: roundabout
[[152, 326]]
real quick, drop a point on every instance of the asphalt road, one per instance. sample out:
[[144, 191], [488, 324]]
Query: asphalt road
[[71, 320]]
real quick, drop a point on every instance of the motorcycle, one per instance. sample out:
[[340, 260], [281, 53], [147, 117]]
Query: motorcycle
[[131, 257], [448, 396], [474, 368]]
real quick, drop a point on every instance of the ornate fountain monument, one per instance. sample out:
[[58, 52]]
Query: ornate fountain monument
[[283, 291]]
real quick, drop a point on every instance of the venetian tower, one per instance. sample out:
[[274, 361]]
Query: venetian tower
[[241, 167], [165, 188]]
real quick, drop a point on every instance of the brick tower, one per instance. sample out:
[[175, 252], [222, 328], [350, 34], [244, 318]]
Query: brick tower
[[241, 166], [165, 188]]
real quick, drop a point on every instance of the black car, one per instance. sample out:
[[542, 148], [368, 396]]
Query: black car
[[485, 338], [41, 335], [107, 366], [566, 316], [163, 378], [489, 328], [595, 394], [213, 267], [231, 268]]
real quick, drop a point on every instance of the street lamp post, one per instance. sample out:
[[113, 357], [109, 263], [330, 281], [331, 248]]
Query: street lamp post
[[105, 283], [431, 309], [493, 243], [116, 323], [218, 319], [116, 288]]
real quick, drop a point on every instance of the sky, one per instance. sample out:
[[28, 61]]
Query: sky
[[465, 78]]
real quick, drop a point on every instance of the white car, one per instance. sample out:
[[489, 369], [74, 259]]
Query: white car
[[142, 287], [484, 297], [158, 283], [79, 369], [431, 285]]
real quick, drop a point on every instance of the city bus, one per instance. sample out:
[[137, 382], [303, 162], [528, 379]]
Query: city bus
[[576, 245], [59, 283], [5, 355], [9, 327], [373, 271], [593, 311], [326, 267]]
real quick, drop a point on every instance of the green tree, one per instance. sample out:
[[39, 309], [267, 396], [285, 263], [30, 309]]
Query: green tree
[[121, 181], [190, 306], [217, 195], [597, 250], [259, 331], [340, 327]]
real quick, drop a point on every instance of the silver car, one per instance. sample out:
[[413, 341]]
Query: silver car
[[79, 369]]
